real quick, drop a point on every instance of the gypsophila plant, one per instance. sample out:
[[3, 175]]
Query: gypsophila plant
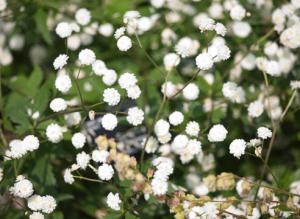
[[149, 109]]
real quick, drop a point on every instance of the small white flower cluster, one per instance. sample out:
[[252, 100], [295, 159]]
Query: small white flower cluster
[[237, 148], [162, 131], [128, 81], [217, 133], [189, 92], [255, 109], [23, 188], [113, 201], [68, 176], [208, 210], [233, 92], [205, 23], [54, 132], [19, 148], [164, 168], [185, 147]]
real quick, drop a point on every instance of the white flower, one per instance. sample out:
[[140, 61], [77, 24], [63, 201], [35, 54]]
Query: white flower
[[83, 16], [290, 36], [241, 29], [255, 109], [63, 30], [119, 32], [58, 104], [237, 148], [113, 201], [68, 177], [161, 127], [98, 67], [72, 119], [60, 61], [105, 172], [109, 77], [273, 68], [169, 89], [106, 29], [237, 12], [111, 96], [22, 188], [295, 85], [83, 160], [159, 187], [31, 143], [264, 133], [124, 43], [109, 121], [179, 143], [157, 3], [127, 80], [135, 116], [73, 42], [151, 145], [217, 133], [187, 47], [16, 149], [35, 202], [220, 29], [54, 133], [176, 118], [3, 5], [100, 156], [78, 140], [194, 147], [192, 128], [36, 215], [133, 92], [163, 139], [204, 61], [233, 92], [63, 83], [219, 52], [206, 23], [48, 204], [171, 60], [86, 57], [191, 92], [278, 17]]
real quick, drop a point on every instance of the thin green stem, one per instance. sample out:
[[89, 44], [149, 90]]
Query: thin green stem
[[87, 179], [76, 109], [79, 92], [288, 105], [185, 85], [155, 120]]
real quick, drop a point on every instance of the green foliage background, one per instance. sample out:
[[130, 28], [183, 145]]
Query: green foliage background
[[26, 85]]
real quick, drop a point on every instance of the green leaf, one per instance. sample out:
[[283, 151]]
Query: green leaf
[[113, 215], [217, 115], [40, 18], [35, 79], [57, 215], [43, 173], [41, 100], [128, 215], [15, 110]]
